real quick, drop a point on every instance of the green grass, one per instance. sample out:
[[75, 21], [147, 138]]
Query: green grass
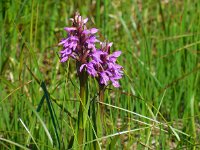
[[158, 103]]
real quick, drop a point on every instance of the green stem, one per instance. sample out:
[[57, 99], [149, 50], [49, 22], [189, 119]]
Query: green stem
[[98, 119], [83, 102], [101, 97]]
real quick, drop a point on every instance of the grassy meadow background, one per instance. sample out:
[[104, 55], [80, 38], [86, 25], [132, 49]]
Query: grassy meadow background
[[158, 103]]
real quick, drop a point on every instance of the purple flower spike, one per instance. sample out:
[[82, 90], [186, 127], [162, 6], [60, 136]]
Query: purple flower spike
[[80, 44], [104, 65], [79, 41]]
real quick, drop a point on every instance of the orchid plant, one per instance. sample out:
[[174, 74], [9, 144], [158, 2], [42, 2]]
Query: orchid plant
[[99, 63]]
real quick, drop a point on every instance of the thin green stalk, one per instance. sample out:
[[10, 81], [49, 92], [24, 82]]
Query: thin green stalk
[[100, 111], [101, 99], [98, 5], [83, 98]]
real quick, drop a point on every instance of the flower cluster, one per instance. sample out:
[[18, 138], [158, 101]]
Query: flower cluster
[[79, 42], [80, 45], [103, 65]]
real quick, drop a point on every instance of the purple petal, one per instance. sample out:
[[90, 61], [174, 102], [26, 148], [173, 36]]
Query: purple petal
[[85, 20], [73, 45], [104, 78], [116, 54], [92, 39], [86, 32], [110, 44], [66, 51], [73, 55], [73, 38], [91, 46], [91, 70], [62, 41], [108, 73], [68, 29], [113, 56], [115, 84], [82, 66], [64, 59], [93, 30], [96, 56]]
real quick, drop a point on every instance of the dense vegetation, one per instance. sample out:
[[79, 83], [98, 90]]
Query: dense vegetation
[[158, 103]]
